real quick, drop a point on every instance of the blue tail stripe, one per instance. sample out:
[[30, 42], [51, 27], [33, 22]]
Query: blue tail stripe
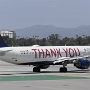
[[2, 42]]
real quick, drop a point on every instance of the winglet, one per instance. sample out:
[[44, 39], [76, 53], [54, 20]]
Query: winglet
[[2, 42]]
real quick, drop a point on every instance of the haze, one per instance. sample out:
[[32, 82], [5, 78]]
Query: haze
[[15, 14]]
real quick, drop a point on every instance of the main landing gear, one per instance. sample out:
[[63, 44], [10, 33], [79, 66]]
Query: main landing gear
[[63, 69], [36, 69]]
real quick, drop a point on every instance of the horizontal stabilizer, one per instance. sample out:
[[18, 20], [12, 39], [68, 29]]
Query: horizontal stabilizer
[[5, 50]]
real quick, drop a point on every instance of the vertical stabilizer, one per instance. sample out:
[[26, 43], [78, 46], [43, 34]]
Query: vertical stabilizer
[[2, 42]]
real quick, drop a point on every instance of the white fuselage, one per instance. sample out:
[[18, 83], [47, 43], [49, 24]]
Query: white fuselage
[[19, 55]]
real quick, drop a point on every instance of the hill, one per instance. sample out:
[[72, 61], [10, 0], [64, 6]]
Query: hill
[[45, 30]]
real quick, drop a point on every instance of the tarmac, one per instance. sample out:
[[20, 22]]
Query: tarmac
[[18, 77]]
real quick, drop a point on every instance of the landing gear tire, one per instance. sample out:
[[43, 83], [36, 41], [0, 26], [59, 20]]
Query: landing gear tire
[[63, 69], [36, 69]]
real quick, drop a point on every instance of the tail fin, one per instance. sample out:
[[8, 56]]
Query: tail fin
[[2, 42]]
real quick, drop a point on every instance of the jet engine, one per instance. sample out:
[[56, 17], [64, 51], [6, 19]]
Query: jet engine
[[82, 64]]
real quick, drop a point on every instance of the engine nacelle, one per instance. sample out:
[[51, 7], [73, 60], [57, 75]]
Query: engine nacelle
[[44, 66], [82, 64]]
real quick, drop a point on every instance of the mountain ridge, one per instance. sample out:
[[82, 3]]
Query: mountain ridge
[[44, 31]]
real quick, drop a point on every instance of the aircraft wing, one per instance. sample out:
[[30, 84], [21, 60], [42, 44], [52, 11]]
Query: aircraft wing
[[62, 59], [69, 59]]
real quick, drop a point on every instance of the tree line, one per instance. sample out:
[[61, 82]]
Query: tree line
[[51, 40]]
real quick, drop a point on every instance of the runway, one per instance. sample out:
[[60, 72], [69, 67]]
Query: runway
[[23, 78]]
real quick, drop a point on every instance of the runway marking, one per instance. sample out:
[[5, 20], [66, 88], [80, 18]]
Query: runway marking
[[74, 75], [38, 77]]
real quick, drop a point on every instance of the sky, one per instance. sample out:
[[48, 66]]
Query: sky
[[16, 14]]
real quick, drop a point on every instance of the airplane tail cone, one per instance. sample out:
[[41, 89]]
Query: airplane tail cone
[[2, 42]]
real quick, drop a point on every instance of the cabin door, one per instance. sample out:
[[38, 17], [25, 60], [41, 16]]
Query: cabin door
[[14, 57]]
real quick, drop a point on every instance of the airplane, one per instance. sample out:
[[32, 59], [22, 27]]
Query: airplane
[[41, 57]]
